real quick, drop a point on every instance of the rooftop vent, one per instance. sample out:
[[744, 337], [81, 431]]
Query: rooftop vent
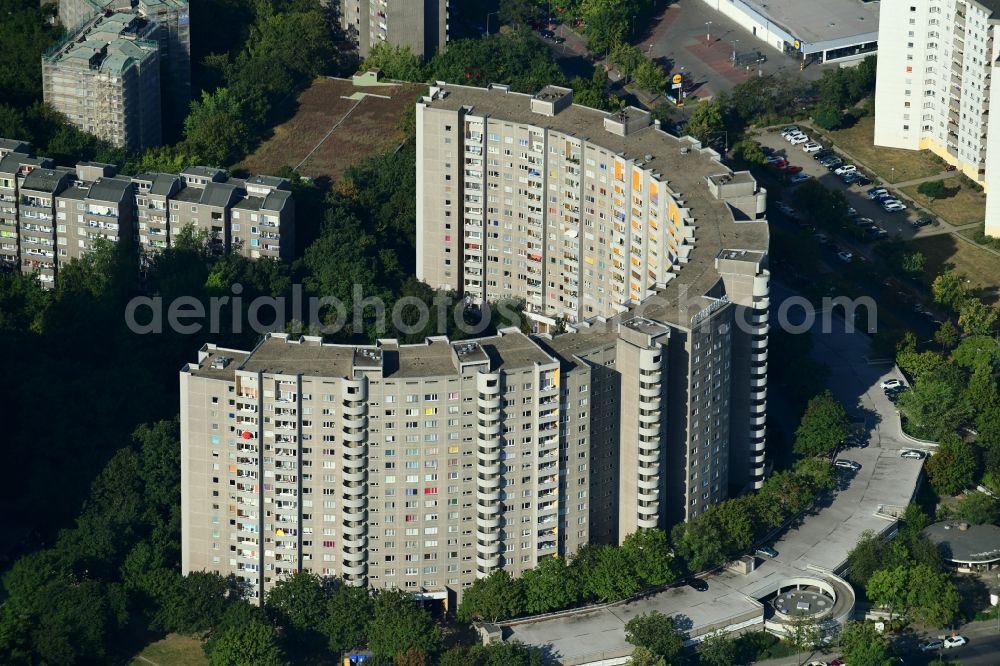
[[221, 362]]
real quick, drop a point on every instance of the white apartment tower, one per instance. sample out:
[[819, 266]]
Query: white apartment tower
[[935, 80]]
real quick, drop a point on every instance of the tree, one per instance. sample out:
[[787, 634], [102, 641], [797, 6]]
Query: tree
[[648, 553], [706, 123], [933, 408], [656, 632], [216, 128], [933, 189], [605, 573], [395, 62], [552, 585], [650, 76], [950, 290], [347, 611], [871, 553], [946, 335], [253, 643], [828, 117], [803, 633], [519, 12], [933, 600], [507, 653], [496, 597], [593, 92], [749, 152], [718, 649], [823, 426], [913, 263], [976, 317], [979, 509], [889, 588], [298, 604], [412, 657], [700, 542], [645, 657], [953, 467], [607, 23], [864, 645], [627, 59], [398, 623]]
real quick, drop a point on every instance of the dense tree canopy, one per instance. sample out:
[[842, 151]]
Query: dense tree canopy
[[823, 426]]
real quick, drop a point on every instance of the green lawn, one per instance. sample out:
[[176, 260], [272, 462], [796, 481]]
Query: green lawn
[[859, 142], [174, 650], [964, 205], [946, 252]]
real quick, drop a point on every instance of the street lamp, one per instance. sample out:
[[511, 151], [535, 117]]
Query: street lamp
[[892, 175], [735, 42], [708, 31], [488, 21], [633, 26]]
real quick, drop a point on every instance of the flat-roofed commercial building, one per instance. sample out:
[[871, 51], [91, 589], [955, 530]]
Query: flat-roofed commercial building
[[828, 30], [421, 25], [426, 466]]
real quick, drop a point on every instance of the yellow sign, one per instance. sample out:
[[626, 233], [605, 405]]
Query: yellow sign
[[677, 78], [796, 44]]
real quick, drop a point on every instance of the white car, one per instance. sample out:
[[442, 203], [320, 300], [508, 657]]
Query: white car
[[796, 140], [892, 384], [841, 170], [790, 129], [913, 454], [875, 194], [787, 135], [812, 147], [846, 464], [894, 206], [955, 641], [844, 255]]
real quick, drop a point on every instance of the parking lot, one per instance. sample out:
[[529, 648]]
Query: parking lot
[[895, 224]]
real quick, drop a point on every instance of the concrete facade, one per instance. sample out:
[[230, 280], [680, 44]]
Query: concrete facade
[[427, 466], [421, 25], [50, 215], [935, 81]]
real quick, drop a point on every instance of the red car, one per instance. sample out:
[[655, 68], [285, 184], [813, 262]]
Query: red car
[[780, 164], [839, 661], [792, 170]]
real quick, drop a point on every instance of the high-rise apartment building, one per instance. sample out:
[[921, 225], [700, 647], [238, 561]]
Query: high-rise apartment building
[[420, 24], [50, 215], [426, 466], [169, 26], [935, 81], [106, 79]]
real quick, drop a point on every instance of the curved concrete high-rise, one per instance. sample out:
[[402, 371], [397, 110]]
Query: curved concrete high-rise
[[426, 466]]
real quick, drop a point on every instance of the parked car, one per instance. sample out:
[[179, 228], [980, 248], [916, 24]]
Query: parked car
[[698, 584], [846, 256], [844, 169], [850, 177], [891, 384], [912, 454], [922, 222], [950, 167], [863, 221], [931, 646], [790, 129], [780, 163], [792, 170], [833, 164], [766, 551], [955, 641], [772, 159], [796, 140], [788, 135], [876, 192], [812, 147], [846, 464], [894, 206], [823, 154], [862, 180], [855, 440], [547, 34], [799, 178]]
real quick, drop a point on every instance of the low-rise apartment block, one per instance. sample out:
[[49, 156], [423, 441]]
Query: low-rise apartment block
[[50, 215], [427, 466], [420, 24], [934, 86]]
